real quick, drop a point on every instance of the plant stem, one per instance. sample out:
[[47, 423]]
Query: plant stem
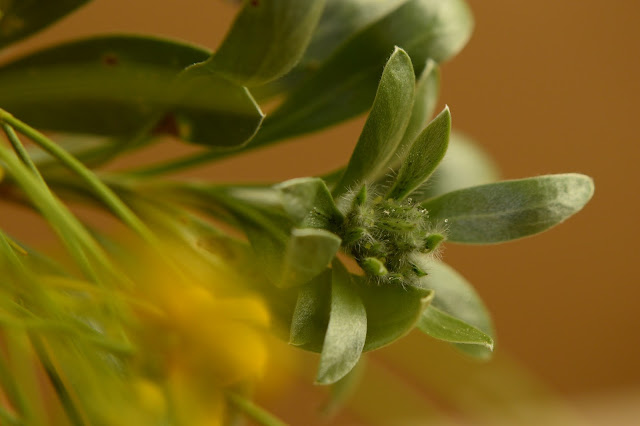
[[100, 189], [253, 411], [20, 150], [181, 163]]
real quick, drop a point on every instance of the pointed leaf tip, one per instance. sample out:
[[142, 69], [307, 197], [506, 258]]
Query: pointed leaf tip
[[509, 210], [347, 330]]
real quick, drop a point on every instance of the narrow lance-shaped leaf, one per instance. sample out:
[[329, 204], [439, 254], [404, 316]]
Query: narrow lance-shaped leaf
[[341, 391], [347, 329], [509, 210], [266, 40], [344, 85], [311, 314], [115, 85], [461, 311], [309, 203], [466, 164], [440, 325], [424, 104], [21, 18], [339, 21], [423, 157], [385, 125], [392, 311], [308, 253]]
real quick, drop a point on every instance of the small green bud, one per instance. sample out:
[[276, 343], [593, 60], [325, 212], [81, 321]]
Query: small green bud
[[432, 242], [360, 198], [352, 236], [374, 267]]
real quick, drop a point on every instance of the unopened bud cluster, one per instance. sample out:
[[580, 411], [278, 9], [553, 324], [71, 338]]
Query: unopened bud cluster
[[388, 238]]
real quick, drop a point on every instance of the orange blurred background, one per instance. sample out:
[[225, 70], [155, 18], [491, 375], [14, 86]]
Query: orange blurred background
[[546, 87]]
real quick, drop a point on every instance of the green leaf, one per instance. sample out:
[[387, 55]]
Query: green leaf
[[266, 40], [455, 297], [309, 252], [508, 210], [392, 311], [116, 85], [443, 326], [424, 104], [423, 157], [339, 21], [347, 329], [21, 18], [341, 391], [311, 314], [344, 85], [385, 125], [466, 164], [309, 203]]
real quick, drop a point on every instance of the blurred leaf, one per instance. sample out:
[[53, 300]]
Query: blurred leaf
[[309, 203], [508, 210], [21, 18], [385, 125], [342, 19], [115, 85], [423, 157], [309, 251], [424, 104], [311, 314], [339, 21], [392, 311], [442, 326], [347, 329], [465, 165], [454, 296], [341, 391], [344, 85], [266, 40]]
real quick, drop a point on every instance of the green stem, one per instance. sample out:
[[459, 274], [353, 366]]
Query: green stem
[[253, 411], [100, 189], [20, 150], [72, 233], [182, 163], [74, 416]]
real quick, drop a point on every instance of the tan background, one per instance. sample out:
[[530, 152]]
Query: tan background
[[547, 86]]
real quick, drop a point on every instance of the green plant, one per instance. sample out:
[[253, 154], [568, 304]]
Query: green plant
[[327, 61]]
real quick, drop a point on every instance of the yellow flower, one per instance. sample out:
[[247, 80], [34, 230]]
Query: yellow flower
[[199, 333]]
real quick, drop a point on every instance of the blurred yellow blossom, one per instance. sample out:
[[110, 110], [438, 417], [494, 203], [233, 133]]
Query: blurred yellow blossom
[[201, 331]]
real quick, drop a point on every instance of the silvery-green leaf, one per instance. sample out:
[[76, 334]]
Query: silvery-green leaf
[[341, 391], [440, 325], [347, 329], [309, 251], [424, 104], [392, 311], [455, 297], [266, 40], [339, 21], [344, 85], [512, 209], [311, 314], [423, 156], [385, 125], [309, 203], [115, 85], [466, 164], [21, 18]]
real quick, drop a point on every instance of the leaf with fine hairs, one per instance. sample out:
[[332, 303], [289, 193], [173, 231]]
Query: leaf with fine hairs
[[347, 329], [508, 210]]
